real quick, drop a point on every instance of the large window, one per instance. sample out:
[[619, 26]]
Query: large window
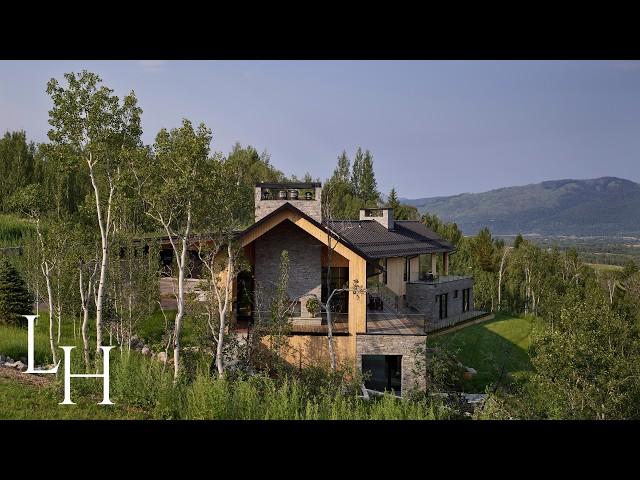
[[339, 279], [383, 372]]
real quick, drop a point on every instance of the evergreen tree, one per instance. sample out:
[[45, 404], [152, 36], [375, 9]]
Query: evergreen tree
[[357, 173], [14, 296], [368, 186], [392, 201], [341, 172]]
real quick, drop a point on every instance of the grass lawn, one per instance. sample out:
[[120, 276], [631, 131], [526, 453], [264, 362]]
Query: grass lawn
[[490, 346], [24, 400]]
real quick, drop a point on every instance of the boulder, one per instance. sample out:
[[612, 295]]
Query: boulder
[[162, 357], [20, 366], [146, 351], [1, 358]]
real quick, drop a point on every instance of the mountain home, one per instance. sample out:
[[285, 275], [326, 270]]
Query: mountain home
[[403, 264]]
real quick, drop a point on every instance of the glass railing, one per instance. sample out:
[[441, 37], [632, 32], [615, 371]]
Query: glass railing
[[430, 278]]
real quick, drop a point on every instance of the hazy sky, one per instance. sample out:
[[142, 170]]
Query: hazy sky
[[434, 127]]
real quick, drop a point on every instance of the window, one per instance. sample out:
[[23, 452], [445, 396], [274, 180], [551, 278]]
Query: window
[[339, 278], [384, 372], [466, 293], [455, 294], [443, 300], [406, 269], [384, 274]]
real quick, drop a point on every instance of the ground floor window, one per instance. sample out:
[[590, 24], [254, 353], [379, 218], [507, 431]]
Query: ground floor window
[[383, 372]]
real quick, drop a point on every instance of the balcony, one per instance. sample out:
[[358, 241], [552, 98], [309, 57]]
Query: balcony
[[431, 279], [313, 325]]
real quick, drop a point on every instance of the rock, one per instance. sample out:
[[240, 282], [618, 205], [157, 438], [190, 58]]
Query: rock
[[1, 358], [162, 357], [20, 366], [146, 351], [8, 360]]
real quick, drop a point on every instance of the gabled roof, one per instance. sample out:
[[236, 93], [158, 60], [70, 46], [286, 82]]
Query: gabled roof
[[288, 207], [371, 240], [405, 239]]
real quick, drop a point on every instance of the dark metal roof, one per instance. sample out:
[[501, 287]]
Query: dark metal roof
[[290, 185], [371, 240], [405, 239]]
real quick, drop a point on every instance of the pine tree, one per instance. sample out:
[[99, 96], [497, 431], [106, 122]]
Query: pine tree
[[15, 299], [392, 201], [357, 173], [368, 186], [342, 170]]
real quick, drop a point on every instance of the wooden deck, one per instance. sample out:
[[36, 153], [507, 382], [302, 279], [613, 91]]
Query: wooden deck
[[390, 322]]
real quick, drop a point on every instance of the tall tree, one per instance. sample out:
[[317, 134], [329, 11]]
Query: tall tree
[[172, 182], [17, 165], [368, 187], [94, 127]]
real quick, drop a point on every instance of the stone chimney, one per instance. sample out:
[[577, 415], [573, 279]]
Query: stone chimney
[[384, 216], [306, 197]]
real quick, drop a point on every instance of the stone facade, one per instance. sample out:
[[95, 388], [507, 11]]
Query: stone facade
[[371, 344], [310, 207], [305, 269], [422, 297]]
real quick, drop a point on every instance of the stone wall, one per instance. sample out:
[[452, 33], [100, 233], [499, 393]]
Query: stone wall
[[310, 207], [370, 344], [422, 297], [305, 271]]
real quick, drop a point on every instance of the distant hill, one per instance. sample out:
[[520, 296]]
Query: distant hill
[[600, 206]]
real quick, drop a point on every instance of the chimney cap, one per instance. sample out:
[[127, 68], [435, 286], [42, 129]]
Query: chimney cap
[[290, 185]]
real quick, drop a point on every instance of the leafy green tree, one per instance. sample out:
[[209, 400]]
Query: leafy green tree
[[518, 241], [588, 367], [96, 129], [173, 182], [17, 165], [15, 299]]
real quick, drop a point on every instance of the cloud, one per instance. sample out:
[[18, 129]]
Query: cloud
[[152, 66]]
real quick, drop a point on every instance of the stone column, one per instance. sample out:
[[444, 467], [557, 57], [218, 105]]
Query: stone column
[[434, 263], [445, 263]]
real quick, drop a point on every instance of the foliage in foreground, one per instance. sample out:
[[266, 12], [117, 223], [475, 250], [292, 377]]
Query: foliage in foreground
[[142, 388], [586, 366]]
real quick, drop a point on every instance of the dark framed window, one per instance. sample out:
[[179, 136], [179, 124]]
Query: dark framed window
[[384, 274], [443, 301], [383, 372], [466, 293], [339, 278], [406, 269]]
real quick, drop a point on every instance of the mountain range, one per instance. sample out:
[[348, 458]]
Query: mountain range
[[606, 206]]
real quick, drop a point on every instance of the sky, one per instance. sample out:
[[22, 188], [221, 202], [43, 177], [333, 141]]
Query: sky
[[434, 127]]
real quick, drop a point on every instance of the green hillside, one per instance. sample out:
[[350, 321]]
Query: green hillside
[[601, 206]]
